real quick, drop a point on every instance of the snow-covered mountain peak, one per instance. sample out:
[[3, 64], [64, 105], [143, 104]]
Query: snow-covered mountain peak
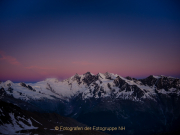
[[88, 73], [171, 77], [160, 76], [101, 76], [76, 74], [129, 78], [110, 75], [8, 83], [107, 74], [153, 77], [52, 80], [157, 77]]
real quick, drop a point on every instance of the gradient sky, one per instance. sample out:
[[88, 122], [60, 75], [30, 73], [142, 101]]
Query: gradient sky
[[44, 38]]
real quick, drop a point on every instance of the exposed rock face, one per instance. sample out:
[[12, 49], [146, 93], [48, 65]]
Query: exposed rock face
[[150, 81], [23, 84], [89, 78]]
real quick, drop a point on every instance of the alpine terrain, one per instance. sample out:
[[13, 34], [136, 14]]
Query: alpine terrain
[[140, 106]]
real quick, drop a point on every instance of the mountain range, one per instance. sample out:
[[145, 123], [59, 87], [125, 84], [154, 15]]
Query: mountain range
[[142, 106]]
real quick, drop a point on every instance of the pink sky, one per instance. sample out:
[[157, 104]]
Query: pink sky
[[21, 69]]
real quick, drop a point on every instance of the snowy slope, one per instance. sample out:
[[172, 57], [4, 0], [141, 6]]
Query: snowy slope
[[96, 86], [16, 124]]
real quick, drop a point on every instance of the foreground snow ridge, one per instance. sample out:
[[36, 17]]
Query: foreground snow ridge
[[89, 85], [16, 125]]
